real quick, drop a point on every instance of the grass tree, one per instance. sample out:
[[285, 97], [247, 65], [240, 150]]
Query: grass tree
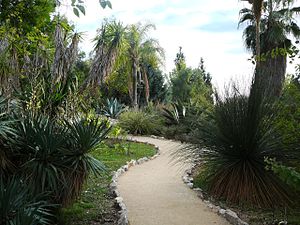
[[265, 38], [109, 41]]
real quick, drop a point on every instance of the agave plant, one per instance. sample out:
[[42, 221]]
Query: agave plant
[[175, 114], [113, 108], [233, 145], [83, 136], [18, 206]]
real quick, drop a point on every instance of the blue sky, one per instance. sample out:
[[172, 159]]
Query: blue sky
[[207, 29]]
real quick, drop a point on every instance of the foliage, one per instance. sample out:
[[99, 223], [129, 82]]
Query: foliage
[[18, 205], [289, 175], [288, 117], [54, 157], [175, 115], [113, 108], [139, 122], [233, 143], [191, 86]]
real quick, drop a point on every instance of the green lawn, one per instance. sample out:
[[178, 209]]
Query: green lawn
[[96, 205]]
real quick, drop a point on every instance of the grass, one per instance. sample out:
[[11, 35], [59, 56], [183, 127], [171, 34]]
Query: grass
[[96, 205]]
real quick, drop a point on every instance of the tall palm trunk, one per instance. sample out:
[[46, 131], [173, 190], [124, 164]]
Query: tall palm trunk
[[134, 84]]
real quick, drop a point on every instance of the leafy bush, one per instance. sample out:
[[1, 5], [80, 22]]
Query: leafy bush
[[139, 122], [18, 205], [54, 157], [232, 145], [113, 108]]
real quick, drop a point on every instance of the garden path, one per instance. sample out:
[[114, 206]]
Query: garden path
[[155, 194]]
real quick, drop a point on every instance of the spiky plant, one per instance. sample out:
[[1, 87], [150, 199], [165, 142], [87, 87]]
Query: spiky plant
[[113, 108], [40, 143], [174, 115], [233, 145], [83, 136], [6, 130], [18, 206]]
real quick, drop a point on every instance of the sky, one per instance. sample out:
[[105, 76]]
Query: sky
[[203, 28]]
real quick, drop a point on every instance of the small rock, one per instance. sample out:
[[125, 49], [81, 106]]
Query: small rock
[[231, 216], [190, 185], [188, 171], [222, 212], [241, 222], [125, 168], [211, 206], [119, 199], [113, 186]]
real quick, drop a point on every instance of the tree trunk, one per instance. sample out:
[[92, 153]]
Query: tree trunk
[[134, 85], [270, 76]]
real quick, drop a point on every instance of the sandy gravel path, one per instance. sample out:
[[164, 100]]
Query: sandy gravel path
[[155, 194]]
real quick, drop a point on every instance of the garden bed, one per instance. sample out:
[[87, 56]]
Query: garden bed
[[96, 205]]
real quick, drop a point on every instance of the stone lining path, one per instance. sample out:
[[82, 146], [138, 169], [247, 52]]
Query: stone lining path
[[155, 194]]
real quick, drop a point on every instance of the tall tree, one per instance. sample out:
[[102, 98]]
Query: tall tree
[[142, 51], [276, 25], [109, 42]]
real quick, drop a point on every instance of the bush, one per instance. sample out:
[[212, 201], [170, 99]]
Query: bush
[[139, 122], [112, 108], [233, 143]]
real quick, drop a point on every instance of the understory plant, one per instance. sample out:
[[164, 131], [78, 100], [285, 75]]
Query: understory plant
[[140, 122], [232, 145], [51, 158], [113, 108]]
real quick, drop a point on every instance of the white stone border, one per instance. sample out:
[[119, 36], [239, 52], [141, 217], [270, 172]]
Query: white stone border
[[113, 187], [228, 214]]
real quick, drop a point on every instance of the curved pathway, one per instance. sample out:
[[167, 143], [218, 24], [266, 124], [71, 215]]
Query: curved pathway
[[155, 194]]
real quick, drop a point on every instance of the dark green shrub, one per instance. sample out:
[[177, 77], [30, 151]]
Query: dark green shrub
[[54, 157], [18, 205], [233, 143], [139, 122]]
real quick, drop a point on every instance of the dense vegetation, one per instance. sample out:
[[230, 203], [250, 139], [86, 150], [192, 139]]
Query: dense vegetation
[[58, 107]]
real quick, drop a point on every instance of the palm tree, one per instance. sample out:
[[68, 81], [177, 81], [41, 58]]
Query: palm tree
[[143, 52], [108, 45], [276, 24]]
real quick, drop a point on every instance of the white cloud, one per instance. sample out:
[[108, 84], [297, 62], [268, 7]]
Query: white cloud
[[179, 24]]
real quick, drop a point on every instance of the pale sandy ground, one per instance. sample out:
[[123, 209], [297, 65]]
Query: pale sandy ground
[[155, 194]]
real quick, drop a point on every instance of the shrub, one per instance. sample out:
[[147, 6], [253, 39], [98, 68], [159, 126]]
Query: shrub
[[233, 145], [18, 205], [113, 108], [54, 157], [139, 122]]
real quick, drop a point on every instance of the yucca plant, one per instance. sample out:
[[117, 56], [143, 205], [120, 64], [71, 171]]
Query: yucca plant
[[6, 130], [40, 145], [174, 115], [83, 136], [113, 108], [233, 144], [18, 206]]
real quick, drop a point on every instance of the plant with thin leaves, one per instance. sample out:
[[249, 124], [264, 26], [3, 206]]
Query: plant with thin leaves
[[139, 122], [40, 144], [6, 131], [232, 144], [18, 205], [83, 136], [174, 115], [113, 108]]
